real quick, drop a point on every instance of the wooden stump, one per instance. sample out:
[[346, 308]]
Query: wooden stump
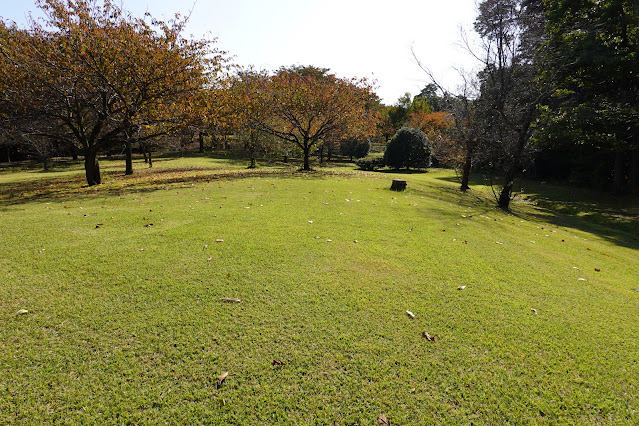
[[398, 185]]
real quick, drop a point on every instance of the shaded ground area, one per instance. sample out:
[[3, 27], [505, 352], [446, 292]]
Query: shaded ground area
[[611, 217]]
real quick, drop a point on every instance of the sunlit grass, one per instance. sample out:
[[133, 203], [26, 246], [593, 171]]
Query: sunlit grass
[[123, 286]]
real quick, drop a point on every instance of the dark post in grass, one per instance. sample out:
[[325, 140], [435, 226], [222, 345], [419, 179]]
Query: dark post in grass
[[398, 185]]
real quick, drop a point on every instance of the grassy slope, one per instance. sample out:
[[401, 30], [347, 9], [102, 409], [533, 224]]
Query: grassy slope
[[125, 321]]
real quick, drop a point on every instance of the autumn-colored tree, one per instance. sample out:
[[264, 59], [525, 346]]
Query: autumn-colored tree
[[102, 75], [305, 105]]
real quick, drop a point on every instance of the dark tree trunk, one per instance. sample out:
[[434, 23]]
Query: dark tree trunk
[[74, 152], [251, 150], [45, 164], [507, 190], [200, 138], [150, 159], [329, 154], [468, 162], [321, 152], [92, 167], [307, 153], [634, 172], [619, 182], [129, 157]]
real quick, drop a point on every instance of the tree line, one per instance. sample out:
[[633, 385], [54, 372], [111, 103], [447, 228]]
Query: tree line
[[90, 76], [557, 90]]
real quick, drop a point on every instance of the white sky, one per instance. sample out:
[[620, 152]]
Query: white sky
[[354, 38]]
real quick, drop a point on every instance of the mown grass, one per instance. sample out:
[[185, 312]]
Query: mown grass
[[123, 284]]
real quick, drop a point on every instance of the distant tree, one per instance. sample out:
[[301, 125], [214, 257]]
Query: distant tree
[[306, 105], [354, 148], [409, 148], [432, 98]]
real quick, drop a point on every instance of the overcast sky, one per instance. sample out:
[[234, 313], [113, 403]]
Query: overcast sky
[[354, 38]]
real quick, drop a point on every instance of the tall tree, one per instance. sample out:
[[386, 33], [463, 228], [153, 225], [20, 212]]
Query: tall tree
[[303, 105], [511, 31], [103, 75], [592, 55]]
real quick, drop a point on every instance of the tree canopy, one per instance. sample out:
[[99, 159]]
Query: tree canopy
[[305, 105], [97, 74]]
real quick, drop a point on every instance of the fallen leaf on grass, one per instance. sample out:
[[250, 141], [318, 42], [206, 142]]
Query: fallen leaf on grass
[[581, 279], [205, 246], [219, 240], [461, 287], [223, 377], [428, 336], [410, 314], [635, 289], [231, 299], [382, 420], [99, 225], [148, 225], [22, 312], [497, 242], [597, 270], [278, 363], [41, 251], [534, 311]]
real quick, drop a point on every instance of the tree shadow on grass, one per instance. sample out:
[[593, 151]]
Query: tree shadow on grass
[[149, 180], [615, 219]]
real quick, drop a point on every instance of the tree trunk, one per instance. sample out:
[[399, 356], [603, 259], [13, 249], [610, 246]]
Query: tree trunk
[[619, 182], [468, 162], [251, 149], [634, 172], [92, 167], [200, 138], [307, 153], [507, 190], [45, 164], [74, 152], [150, 159], [129, 157]]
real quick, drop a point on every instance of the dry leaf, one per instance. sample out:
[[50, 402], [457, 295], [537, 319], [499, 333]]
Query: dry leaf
[[231, 299], [41, 251], [534, 311], [278, 363], [223, 377], [410, 314], [205, 246], [219, 240], [636, 289], [382, 420], [148, 225], [428, 336], [461, 287], [597, 270], [22, 312]]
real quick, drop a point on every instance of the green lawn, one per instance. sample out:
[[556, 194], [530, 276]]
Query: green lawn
[[125, 324]]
